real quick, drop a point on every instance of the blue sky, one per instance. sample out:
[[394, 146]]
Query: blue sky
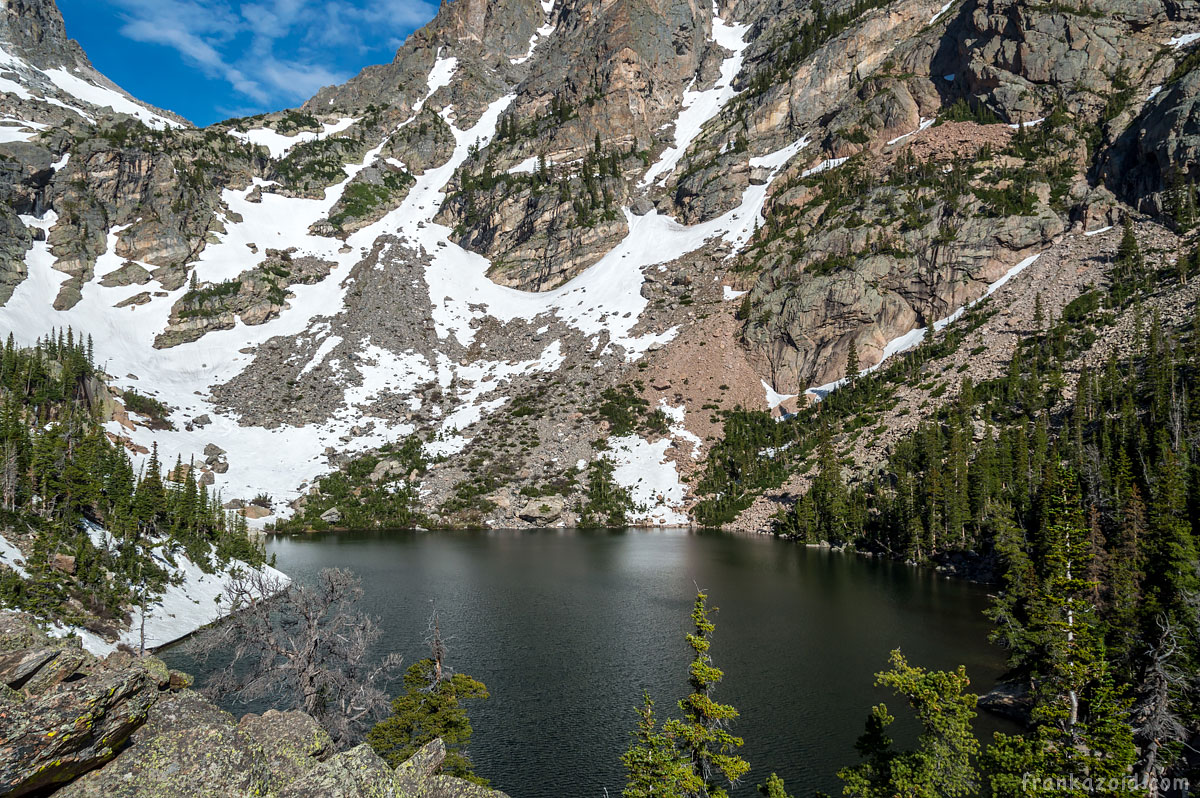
[[214, 59]]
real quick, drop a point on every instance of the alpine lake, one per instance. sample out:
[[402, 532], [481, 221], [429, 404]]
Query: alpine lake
[[568, 629]]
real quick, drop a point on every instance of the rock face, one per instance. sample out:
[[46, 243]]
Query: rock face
[[255, 297], [855, 170], [539, 235], [125, 726], [187, 746], [1156, 161], [69, 713], [15, 241], [1022, 59]]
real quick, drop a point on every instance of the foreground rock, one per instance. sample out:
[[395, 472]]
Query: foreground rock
[[127, 726], [62, 711]]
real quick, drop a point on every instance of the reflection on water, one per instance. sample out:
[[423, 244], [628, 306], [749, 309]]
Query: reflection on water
[[568, 628]]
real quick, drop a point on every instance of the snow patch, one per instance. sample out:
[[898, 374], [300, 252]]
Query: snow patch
[[729, 293], [701, 106], [677, 428], [442, 73], [327, 346], [16, 130], [652, 480], [829, 163], [941, 11], [923, 125], [280, 145], [107, 98], [12, 87], [525, 167], [11, 556], [774, 398]]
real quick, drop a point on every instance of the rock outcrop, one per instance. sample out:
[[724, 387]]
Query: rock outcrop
[[126, 726], [62, 711], [255, 297]]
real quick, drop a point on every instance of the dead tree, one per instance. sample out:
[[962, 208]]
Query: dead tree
[[1157, 726], [303, 646]]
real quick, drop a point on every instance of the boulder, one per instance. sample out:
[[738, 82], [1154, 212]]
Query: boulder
[[18, 667], [292, 742], [386, 469], [178, 680], [1008, 700], [129, 273], [357, 773], [63, 562], [187, 747], [641, 206], [140, 298], [254, 511], [69, 662], [75, 728], [212, 450], [421, 766], [332, 515], [202, 421], [543, 509]]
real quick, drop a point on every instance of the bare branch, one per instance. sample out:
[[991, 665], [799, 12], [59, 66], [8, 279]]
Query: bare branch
[[303, 646]]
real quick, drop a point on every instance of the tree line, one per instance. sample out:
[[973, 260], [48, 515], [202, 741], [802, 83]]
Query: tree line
[[99, 530], [1083, 492]]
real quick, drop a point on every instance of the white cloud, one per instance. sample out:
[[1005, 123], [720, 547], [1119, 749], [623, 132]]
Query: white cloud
[[272, 52]]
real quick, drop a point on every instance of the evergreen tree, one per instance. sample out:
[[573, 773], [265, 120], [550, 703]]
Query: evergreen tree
[[703, 735], [942, 764], [655, 766], [431, 707], [692, 757]]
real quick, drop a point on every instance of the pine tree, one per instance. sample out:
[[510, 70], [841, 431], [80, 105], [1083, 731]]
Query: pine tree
[[774, 788], [655, 767], [702, 735], [942, 764], [431, 707], [1129, 254]]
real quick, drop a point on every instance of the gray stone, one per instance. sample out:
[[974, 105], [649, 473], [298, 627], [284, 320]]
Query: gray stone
[[543, 509], [72, 729], [641, 206], [357, 773], [292, 741], [187, 747]]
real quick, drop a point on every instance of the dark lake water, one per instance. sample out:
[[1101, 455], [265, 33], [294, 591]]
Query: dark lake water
[[568, 628]]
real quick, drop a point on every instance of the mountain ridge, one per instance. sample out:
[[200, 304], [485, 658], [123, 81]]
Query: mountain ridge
[[533, 192]]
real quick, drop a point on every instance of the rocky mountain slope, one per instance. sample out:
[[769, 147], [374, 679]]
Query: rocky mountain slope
[[552, 241]]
